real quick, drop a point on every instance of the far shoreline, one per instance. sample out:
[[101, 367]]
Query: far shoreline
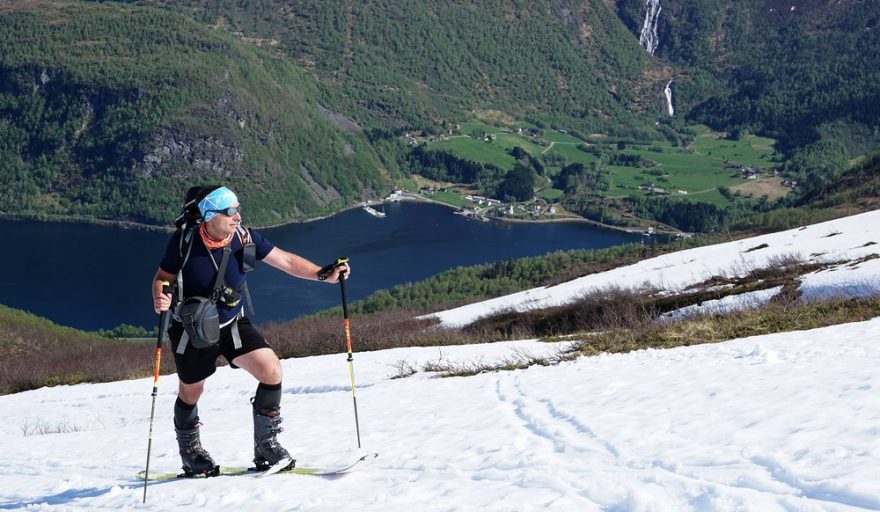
[[408, 196], [633, 231]]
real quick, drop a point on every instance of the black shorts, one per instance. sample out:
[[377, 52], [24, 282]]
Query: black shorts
[[197, 364]]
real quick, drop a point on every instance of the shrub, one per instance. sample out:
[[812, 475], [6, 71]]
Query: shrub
[[378, 331], [37, 352], [777, 317]]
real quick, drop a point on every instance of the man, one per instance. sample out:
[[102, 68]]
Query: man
[[240, 342]]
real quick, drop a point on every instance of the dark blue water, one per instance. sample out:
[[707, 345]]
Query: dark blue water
[[93, 277]]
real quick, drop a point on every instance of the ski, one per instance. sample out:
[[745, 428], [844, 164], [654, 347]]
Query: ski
[[236, 471], [283, 464]]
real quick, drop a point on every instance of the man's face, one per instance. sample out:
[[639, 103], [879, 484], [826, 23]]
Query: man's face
[[224, 224]]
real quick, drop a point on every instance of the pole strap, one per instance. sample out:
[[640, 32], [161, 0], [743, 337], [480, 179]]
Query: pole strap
[[326, 270], [236, 337], [184, 341]]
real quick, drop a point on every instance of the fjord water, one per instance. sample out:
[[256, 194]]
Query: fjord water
[[93, 277]]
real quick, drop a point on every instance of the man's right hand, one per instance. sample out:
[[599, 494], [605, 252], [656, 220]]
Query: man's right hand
[[162, 302], [161, 289]]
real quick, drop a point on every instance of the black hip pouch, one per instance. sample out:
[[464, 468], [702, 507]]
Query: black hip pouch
[[200, 320]]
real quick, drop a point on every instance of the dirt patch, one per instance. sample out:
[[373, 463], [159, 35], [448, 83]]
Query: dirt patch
[[772, 188], [495, 117]]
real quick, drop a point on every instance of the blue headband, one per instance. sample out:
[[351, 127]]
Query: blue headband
[[219, 199]]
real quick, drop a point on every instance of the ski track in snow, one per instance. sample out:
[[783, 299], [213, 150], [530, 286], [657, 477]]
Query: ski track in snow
[[576, 443]]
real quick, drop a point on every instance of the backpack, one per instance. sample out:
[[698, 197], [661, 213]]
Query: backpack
[[187, 223], [189, 212]]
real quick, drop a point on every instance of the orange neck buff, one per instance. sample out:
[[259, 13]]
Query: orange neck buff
[[209, 242]]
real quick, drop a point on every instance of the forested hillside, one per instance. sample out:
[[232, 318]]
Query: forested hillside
[[111, 111], [423, 64], [804, 72]]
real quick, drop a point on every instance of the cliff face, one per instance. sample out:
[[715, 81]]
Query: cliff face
[[188, 158]]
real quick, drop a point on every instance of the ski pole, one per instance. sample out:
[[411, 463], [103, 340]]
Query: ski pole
[[163, 326], [323, 274]]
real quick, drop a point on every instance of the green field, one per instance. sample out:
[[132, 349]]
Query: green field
[[557, 136], [450, 198], [572, 154], [477, 151], [750, 150], [698, 170], [470, 128], [407, 184], [551, 194], [508, 141]]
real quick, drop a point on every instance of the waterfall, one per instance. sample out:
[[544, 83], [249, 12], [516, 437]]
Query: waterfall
[[648, 39], [668, 93]]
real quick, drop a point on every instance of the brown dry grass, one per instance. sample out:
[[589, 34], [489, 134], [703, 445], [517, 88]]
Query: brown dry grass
[[770, 187], [774, 318], [378, 331]]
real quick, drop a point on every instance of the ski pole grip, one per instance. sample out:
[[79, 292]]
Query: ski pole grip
[[328, 269], [163, 316], [166, 288]]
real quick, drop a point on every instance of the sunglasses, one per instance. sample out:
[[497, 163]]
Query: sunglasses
[[229, 212]]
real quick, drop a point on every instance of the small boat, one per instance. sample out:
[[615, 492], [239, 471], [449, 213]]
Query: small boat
[[374, 212]]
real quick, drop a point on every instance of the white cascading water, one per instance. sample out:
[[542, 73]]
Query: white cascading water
[[668, 93], [648, 39]]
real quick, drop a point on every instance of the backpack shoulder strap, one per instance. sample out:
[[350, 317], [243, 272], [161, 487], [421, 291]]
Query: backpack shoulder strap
[[187, 240], [244, 234], [220, 280], [187, 237], [249, 260], [247, 295]]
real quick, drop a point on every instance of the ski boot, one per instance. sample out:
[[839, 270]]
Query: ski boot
[[268, 454], [196, 460]]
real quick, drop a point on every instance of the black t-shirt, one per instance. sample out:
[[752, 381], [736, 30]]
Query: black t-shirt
[[200, 273]]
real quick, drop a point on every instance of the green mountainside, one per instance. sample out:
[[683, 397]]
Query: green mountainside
[[759, 65], [815, 64], [424, 64], [769, 65], [111, 109]]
